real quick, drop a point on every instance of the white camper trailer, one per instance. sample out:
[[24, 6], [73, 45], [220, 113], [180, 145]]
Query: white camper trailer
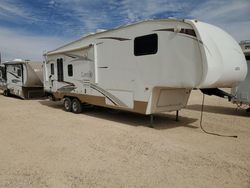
[[241, 92], [146, 67], [23, 79]]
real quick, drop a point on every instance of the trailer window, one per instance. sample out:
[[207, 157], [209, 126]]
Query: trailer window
[[52, 69], [70, 70], [146, 45], [60, 70], [188, 32], [19, 72], [3, 72]]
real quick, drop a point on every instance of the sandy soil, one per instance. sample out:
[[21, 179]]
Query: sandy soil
[[43, 146]]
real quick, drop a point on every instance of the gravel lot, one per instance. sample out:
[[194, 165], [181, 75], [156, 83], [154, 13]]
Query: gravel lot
[[41, 145]]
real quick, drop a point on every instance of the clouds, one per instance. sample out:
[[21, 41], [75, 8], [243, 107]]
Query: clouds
[[94, 14], [223, 11], [230, 15], [10, 11], [78, 17], [145, 9], [47, 22], [18, 44]]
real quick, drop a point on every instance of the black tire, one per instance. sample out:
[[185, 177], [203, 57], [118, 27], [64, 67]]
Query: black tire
[[76, 106], [67, 104], [6, 93]]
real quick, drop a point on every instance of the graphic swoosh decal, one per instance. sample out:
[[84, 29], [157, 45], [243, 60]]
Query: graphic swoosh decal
[[13, 74], [15, 81], [69, 87], [115, 38], [111, 97], [169, 29]]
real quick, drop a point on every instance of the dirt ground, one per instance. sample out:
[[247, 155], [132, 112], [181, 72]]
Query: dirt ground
[[41, 145]]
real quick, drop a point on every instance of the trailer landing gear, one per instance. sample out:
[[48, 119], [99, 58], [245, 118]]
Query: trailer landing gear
[[151, 121], [177, 116], [152, 118]]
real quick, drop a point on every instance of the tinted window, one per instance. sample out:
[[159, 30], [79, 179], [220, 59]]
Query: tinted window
[[146, 45], [247, 57], [70, 70], [188, 32], [19, 72], [52, 70], [2, 73], [60, 70]]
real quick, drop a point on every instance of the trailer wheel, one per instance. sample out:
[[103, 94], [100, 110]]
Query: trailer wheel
[[67, 104], [76, 106], [6, 93]]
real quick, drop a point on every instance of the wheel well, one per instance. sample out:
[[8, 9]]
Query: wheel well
[[51, 96], [73, 97], [70, 97]]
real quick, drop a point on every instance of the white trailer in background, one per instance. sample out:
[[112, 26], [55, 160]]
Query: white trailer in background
[[146, 67], [241, 92], [22, 78]]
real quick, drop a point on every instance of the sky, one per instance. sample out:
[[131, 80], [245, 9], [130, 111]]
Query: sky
[[28, 28]]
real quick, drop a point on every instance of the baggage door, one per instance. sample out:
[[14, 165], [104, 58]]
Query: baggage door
[[112, 73]]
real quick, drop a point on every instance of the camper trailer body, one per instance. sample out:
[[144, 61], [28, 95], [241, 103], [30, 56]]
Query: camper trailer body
[[147, 67], [23, 78], [241, 92]]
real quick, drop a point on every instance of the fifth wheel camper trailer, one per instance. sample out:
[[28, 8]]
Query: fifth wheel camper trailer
[[23, 79], [146, 67], [241, 92]]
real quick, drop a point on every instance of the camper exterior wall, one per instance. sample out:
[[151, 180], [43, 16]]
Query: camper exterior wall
[[104, 65], [224, 64], [178, 54], [14, 79], [33, 74]]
